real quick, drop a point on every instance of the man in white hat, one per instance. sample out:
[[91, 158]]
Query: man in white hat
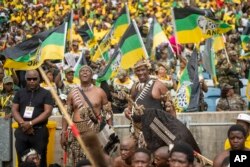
[[243, 120]]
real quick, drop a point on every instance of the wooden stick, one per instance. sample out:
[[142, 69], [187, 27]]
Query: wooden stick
[[68, 119], [203, 158]]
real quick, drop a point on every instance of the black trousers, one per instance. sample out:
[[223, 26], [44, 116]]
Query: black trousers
[[38, 141]]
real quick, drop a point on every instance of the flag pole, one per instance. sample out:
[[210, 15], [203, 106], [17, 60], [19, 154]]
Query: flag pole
[[65, 36], [226, 50], [67, 118], [175, 35], [140, 38]]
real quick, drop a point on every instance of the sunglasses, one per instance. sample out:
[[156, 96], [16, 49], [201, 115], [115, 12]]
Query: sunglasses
[[30, 79]]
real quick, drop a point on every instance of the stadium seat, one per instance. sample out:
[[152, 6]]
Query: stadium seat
[[206, 75], [244, 82], [209, 82], [212, 92], [243, 91], [211, 103]]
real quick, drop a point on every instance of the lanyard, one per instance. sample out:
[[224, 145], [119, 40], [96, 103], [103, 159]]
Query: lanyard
[[4, 102]]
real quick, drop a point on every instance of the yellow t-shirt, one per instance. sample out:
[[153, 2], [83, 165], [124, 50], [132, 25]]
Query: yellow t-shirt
[[247, 143]]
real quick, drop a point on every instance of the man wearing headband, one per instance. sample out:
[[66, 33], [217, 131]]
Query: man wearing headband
[[148, 95], [89, 107], [155, 92], [31, 155]]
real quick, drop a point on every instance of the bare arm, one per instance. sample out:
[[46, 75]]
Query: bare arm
[[219, 158], [106, 105], [58, 80], [163, 91]]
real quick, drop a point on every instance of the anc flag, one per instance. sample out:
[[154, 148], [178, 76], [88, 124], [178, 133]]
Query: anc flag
[[245, 44], [121, 23], [130, 49], [80, 62], [69, 20], [85, 32], [31, 53], [194, 25], [155, 38], [188, 91], [218, 43], [103, 45]]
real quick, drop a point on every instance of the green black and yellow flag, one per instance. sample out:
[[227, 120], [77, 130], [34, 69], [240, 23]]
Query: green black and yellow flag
[[155, 38], [69, 20], [85, 32], [122, 22], [130, 50], [194, 25], [245, 44], [31, 53]]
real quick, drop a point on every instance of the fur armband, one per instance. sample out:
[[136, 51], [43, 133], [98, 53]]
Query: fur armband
[[107, 111]]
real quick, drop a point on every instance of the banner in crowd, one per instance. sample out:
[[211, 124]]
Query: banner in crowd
[[31, 53], [194, 25]]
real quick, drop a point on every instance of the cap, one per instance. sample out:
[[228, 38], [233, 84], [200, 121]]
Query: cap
[[7, 79], [244, 117], [69, 70], [227, 86]]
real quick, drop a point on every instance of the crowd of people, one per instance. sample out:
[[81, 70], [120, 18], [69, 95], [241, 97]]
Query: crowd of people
[[150, 86]]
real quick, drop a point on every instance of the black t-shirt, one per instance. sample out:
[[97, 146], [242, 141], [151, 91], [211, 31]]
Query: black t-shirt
[[36, 99]]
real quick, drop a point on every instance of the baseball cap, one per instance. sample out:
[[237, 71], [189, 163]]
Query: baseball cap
[[7, 79], [244, 117]]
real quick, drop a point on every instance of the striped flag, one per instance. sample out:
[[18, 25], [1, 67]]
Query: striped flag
[[31, 53], [193, 25], [155, 38], [69, 20], [103, 45], [85, 32], [122, 22], [245, 44], [130, 50]]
